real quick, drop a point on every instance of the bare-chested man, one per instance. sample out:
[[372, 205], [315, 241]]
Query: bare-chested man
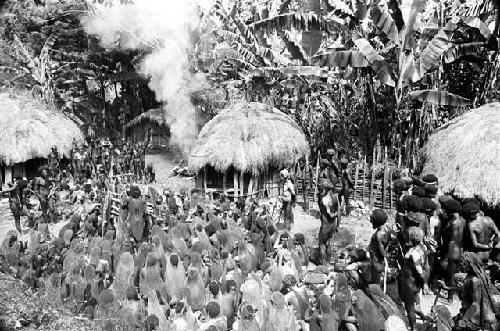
[[452, 235], [17, 196], [482, 231], [43, 187], [414, 275], [378, 245], [135, 209], [328, 208]]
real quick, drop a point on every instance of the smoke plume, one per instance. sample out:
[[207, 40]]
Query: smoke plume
[[163, 28]]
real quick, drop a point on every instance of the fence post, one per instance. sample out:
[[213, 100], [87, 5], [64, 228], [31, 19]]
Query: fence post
[[364, 179], [235, 183], [383, 188], [373, 178], [316, 177], [356, 174], [391, 189]]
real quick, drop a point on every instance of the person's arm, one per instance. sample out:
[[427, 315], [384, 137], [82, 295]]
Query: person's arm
[[382, 240], [418, 267], [473, 237], [494, 227], [10, 189]]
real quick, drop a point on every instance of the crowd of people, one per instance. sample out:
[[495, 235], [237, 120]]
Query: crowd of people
[[132, 258]]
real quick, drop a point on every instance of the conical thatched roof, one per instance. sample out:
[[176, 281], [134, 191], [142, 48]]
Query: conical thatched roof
[[251, 137], [29, 129], [465, 154], [157, 115]]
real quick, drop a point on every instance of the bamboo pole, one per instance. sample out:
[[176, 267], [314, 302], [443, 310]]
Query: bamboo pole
[[384, 179], [304, 183], [307, 175], [295, 175], [316, 177], [356, 174], [391, 189], [364, 180], [250, 186], [205, 179], [373, 178], [242, 184], [224, 182], [235, 184]]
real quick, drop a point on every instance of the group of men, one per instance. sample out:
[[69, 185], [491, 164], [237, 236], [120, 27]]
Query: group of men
[[98, 161], [436, 240], [132, 258]]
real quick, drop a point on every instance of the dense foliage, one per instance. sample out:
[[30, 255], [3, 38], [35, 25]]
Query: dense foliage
[[351, 73]]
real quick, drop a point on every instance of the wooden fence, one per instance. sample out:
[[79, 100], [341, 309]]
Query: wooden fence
[[373, 184]]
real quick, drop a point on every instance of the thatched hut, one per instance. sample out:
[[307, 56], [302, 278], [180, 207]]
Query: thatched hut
[[465, 154], [28, 130], [243, 148], [149, 126]]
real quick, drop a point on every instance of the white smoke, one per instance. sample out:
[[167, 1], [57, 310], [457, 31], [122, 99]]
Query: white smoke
[[163, 28]]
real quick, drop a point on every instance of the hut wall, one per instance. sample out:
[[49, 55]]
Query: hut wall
[[155, 134], [264, 184]]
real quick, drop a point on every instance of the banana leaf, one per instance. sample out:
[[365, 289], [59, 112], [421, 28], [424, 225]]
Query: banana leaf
[[361, 8], [441, 98], [476, 23], [377, 62], [288, 21], [431, 55], [311, 41], [383, 20], [417, 7], [341, 59], [460, 50], [340, 9], [293, 48]]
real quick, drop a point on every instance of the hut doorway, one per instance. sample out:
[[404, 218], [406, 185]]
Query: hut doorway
[[31, 167]]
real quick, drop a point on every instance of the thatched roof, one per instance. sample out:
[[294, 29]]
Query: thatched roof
[[251, 137], [465, 154], [29, 128], [156, 115]]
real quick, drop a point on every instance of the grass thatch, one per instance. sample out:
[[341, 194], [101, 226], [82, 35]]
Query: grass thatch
[[252, 137], [465, 154], [156, 115], [29, 128]]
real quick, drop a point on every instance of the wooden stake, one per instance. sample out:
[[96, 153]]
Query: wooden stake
[[384, 185], [391, 190], [316, 177], [373, 179], [205, 179], [250, 186], [242, 184], [224, 182], [235, 183], [307, 183], [304, 195], [356, 174], [364, 179]]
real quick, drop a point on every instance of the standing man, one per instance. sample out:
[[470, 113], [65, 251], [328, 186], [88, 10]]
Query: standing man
[[347, 185], [43, 188], [482, 231], [135, 210], [17, 202], [378, 246], [289, 197], [453, 233], [414, 275]]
